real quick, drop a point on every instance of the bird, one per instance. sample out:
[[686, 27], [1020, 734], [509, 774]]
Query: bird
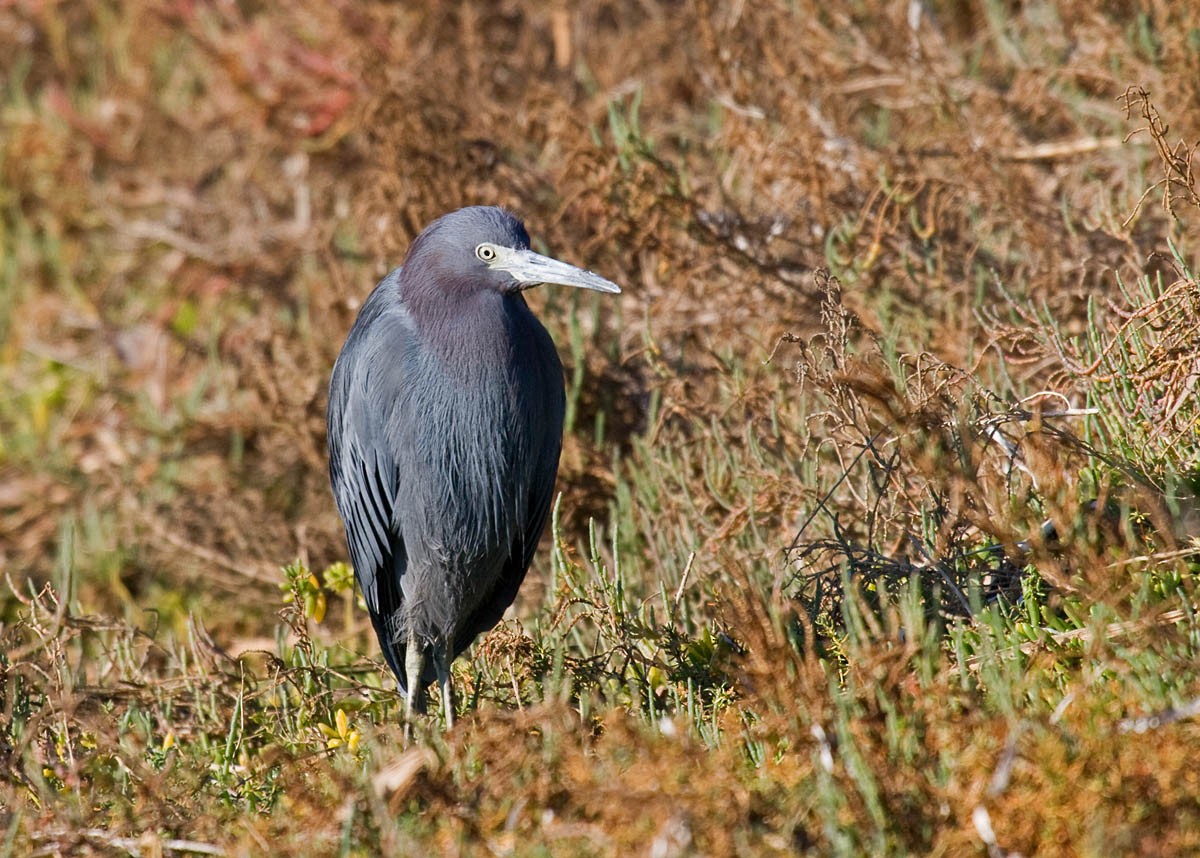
[[445, 423]]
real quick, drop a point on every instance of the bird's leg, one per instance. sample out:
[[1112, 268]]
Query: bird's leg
[[414, 666], [441, 664]]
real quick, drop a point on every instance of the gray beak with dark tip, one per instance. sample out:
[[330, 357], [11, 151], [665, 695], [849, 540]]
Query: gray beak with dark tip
[[531, 269]]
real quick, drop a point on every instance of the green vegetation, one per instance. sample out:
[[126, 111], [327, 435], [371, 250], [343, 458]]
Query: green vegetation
[[879, 519]]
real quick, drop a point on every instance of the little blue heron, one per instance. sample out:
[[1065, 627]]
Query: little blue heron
[[445, 425]]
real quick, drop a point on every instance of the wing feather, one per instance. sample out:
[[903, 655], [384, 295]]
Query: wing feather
[[362, 466]]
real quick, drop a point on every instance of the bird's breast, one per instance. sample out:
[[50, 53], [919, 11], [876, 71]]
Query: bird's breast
[[471, 465]]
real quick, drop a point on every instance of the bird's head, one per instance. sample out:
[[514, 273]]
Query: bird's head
[[483, 248]]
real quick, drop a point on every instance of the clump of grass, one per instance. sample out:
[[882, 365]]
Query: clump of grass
[[894, 559]]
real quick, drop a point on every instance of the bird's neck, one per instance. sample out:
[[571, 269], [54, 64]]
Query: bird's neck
[[472, 333]]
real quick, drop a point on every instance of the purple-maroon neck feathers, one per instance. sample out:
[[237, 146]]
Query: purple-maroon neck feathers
[[442, 267], [459, 317], [460, 306]]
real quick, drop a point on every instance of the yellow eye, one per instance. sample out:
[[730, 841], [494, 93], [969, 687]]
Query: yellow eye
[[485, 252]]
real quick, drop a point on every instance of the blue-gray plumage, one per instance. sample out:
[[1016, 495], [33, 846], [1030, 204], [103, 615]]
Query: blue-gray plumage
[[445, 426]]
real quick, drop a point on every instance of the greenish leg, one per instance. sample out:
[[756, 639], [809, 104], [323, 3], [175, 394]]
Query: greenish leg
[[441, 664], [414, 666]]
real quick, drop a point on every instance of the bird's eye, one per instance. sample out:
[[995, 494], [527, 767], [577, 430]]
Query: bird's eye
[[486, 252]]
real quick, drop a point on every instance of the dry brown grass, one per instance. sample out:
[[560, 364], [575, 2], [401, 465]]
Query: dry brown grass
[[999, 202]]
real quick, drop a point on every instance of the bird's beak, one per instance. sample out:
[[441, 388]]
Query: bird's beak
[[530, 269]]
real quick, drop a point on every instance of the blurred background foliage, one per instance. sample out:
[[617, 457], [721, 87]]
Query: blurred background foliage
[[878, 490]]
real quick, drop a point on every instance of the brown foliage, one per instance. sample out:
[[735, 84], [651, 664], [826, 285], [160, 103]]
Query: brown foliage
[[195, 197]]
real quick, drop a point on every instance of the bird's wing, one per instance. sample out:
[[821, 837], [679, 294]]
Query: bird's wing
[[363, 393]]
